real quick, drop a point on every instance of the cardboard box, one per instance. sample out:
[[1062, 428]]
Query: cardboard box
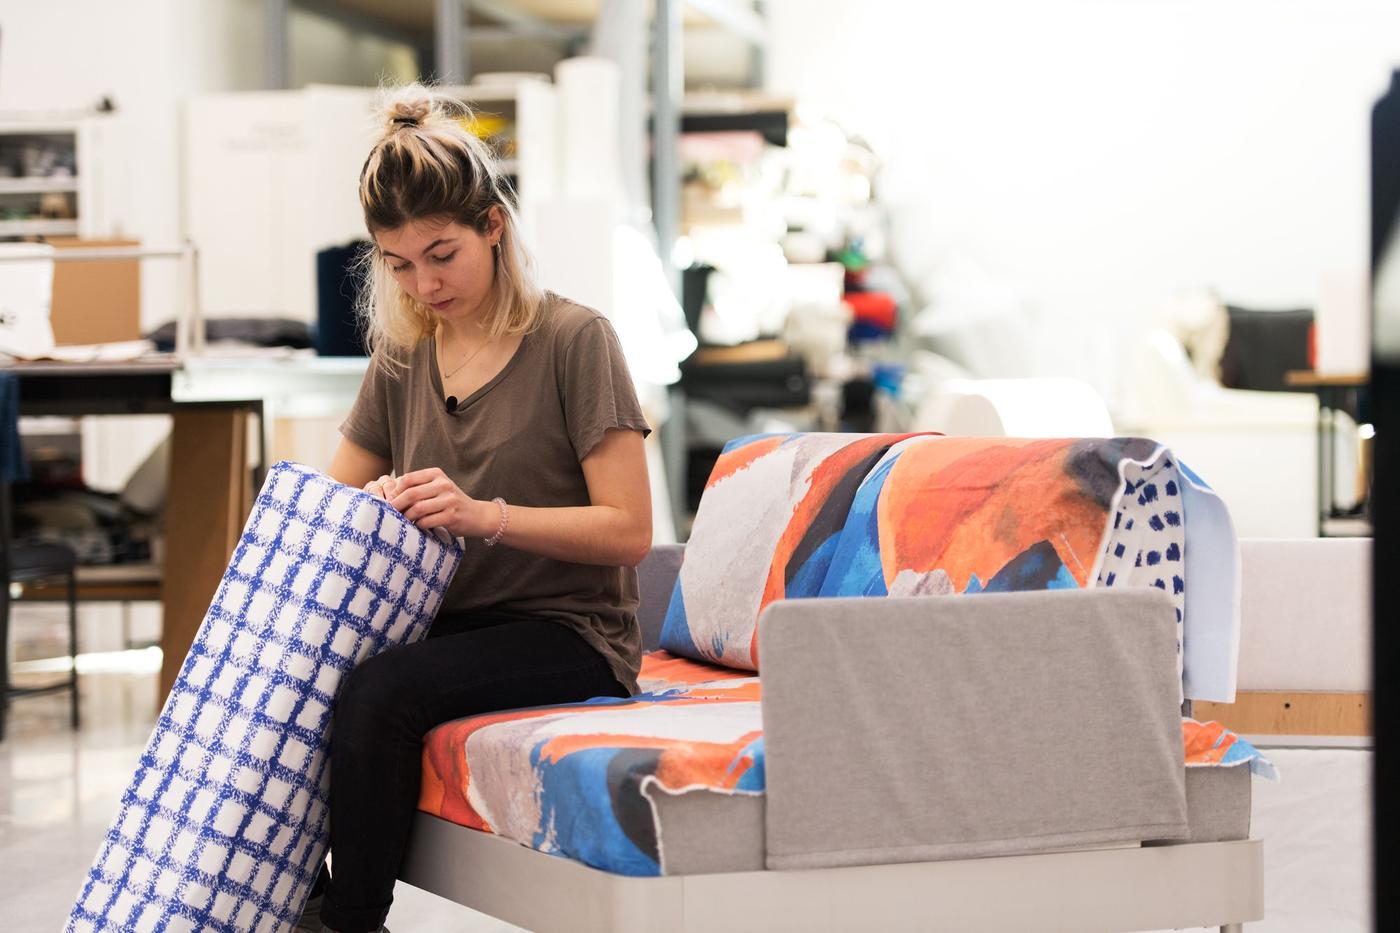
[[95, 302]]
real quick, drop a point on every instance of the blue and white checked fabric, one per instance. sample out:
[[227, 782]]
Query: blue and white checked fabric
[[223, 825]]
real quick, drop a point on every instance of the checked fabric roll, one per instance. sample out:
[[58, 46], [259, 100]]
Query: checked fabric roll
[[223, 825]]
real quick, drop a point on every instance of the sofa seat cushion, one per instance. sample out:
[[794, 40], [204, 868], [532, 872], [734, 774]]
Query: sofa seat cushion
[[669, 781], [577, 780], [818, 515]]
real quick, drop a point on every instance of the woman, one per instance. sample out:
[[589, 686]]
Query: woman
[[505, 416]]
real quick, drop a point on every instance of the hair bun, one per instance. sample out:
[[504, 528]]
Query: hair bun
[[408, 111]]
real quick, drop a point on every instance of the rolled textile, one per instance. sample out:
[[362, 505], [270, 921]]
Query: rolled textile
[[223, 825]]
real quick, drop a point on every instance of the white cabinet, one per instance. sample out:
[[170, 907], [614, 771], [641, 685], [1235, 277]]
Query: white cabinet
[[272, 178]]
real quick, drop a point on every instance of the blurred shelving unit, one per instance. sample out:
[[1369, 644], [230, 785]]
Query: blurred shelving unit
[[518, 121], [692, 42], [49, 177]]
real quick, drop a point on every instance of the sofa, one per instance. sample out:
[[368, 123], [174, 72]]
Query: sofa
[[1014, 759]]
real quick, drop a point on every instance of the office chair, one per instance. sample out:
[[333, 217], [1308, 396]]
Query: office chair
[[28, 563]]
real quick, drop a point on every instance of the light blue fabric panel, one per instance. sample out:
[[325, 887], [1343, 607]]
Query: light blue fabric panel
[[224, 823], [1213, 601]]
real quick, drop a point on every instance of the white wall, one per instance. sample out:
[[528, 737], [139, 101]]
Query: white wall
[[1100, 156]]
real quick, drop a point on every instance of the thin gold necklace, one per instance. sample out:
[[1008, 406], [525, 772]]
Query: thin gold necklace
[[458, 368]]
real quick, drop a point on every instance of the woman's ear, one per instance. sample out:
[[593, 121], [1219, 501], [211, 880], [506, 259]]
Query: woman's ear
[[495, 224]]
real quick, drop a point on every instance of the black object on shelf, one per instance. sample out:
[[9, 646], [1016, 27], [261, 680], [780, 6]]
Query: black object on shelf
[[772, 125], [255, 331], [337, 286], [1263, 346], [695, 281], [699, 464], [740, 387], [858, 406]]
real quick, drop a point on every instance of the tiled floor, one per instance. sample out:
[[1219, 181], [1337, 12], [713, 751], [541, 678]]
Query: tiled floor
[[58, 790]]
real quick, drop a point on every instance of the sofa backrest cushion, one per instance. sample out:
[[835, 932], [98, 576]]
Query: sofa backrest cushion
[[815, 515], [768, 523]]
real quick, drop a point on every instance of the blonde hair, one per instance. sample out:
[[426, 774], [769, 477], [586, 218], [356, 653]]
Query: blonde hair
[[428, 166]]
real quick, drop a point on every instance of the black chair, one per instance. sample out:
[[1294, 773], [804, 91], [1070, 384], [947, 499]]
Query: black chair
[[28, 563], [31, 564]]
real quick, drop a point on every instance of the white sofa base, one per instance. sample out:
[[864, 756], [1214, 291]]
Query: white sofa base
[[1216, 884]]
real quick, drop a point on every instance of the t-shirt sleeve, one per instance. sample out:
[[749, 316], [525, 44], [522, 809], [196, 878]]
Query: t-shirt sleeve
[[367, 425], [597, 388]]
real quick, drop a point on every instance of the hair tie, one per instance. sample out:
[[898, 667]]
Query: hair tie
[[406, 121]]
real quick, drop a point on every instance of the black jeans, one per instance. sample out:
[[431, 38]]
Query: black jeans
[[468, 664]]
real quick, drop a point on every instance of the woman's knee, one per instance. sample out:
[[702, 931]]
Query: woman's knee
[[376, 690]]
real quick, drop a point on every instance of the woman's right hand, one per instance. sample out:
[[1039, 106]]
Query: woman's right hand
[[382, 487]]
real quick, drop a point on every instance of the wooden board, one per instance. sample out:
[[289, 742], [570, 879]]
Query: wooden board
[[209, 499], [1278, 712], [1307, 378], [117, 591], [102, 583]]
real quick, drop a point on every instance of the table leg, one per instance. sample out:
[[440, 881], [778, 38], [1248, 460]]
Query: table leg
[[1321, 505], [208, 502], [1331, 403]]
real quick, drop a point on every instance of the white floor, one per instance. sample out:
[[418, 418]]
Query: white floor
[[58, 789]]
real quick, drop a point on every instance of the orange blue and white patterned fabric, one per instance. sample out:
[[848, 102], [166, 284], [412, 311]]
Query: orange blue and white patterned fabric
[[1209, 744], [576, 780], [805, 515], [579, 780]]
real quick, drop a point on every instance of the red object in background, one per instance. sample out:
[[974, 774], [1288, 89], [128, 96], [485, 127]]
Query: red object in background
[[877, 308], [1312, 346]]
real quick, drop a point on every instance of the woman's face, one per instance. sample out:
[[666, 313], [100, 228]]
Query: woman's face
[[445, 265]]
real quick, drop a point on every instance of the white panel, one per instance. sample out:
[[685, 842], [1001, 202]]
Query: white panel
[[573, 244], [273, 178], [536, 141], [1265, 470], [1306, 607], [589, 99], [236, 144]]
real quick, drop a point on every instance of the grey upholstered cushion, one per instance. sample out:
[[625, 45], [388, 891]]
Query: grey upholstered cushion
[[924, 728], [657, 575], [703, 832]]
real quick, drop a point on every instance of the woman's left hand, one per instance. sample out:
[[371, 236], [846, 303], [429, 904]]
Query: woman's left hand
[[429, 499]]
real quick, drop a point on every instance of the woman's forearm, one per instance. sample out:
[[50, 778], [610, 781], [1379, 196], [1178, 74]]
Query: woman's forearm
[[615, 530], [593, 534]]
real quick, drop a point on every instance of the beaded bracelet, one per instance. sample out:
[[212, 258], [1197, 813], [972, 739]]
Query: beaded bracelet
[[505, 519]]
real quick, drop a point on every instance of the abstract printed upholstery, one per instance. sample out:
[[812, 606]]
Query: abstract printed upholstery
[[223, 824], [573, 780], [806, 515], [580, 780]]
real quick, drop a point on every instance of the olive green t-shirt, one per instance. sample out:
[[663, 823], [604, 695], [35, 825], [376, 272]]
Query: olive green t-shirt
[[521, 436]]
